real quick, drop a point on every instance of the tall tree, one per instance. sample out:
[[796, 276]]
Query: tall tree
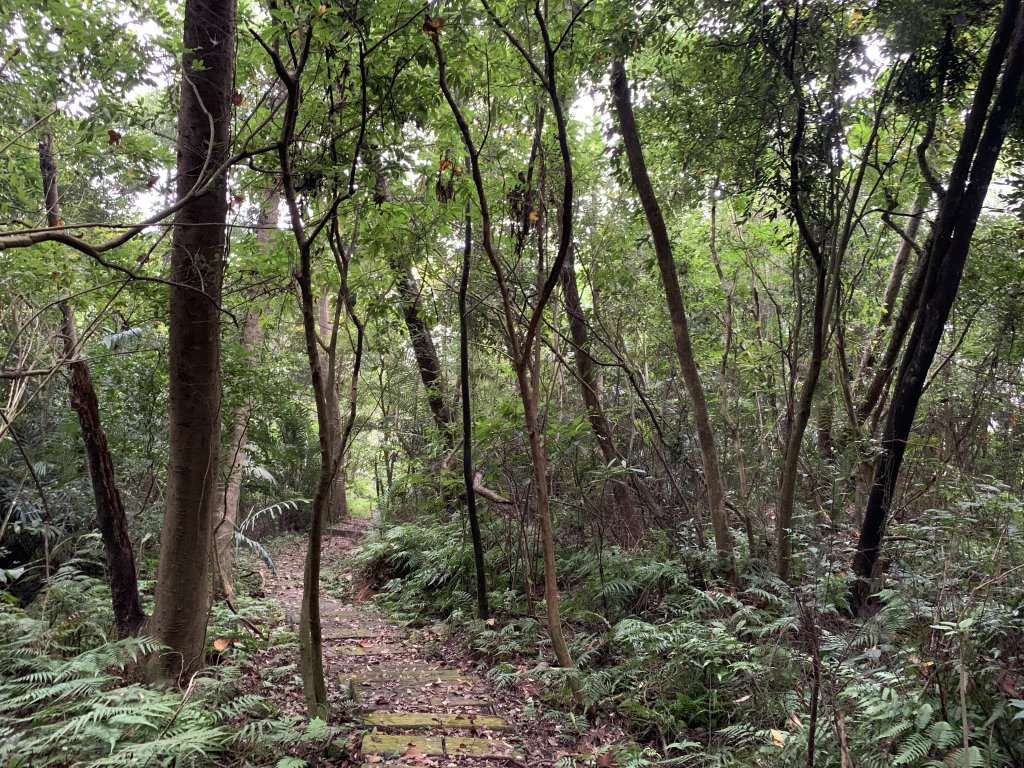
[[995, 99], [677, 312], [110, 512], [225, 516], [197, 254], [522, 345], [468, 471]]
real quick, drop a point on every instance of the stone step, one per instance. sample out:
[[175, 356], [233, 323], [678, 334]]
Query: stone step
[[427, 720], [373, 650], [329, 632], [444, 703], [414, 747], [406, 676]]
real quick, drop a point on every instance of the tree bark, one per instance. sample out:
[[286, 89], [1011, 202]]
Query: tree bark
[[421, 336], [110, 513], [521, 346], [468, 472], [908, 243], [226, 515], [590, 388], [338, 504], [677, 312], [801, 416], [197, 254], [952, 232]]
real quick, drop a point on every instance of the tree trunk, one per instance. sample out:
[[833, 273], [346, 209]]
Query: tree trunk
[[197, 254], [421, 335], [226, 515], [338, 504], [522, 347], [632, 526], [950, 241], [110, 514], [908, 243], [677, 312], [468, 472], [794, 441]]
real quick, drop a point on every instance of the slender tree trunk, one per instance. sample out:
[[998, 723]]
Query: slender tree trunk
[[950, 241], [680, 330], [110, 513], [226, 515], [421, 335], [521, 347], [338, 505], [908, 243], [794, 441], [468, 472], [197, 254], [590, 388]]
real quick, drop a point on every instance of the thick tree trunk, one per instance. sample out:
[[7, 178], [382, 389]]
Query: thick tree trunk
[[632, 526], [677, 312], [110, 513], [197, 254], [950, 242], [225, 518]]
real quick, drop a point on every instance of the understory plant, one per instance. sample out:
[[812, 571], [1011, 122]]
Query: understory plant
[[68, 694]]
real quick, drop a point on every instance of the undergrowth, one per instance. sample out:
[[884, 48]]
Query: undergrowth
[[702, 675], [69, 694]]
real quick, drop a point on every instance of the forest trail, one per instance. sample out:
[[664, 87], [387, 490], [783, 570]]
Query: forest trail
[[419, 703]]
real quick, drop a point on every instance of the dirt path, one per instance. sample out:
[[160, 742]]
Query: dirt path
[[419, 702]]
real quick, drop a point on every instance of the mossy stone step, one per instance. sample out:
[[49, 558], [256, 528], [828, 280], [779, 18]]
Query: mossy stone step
[[427, 720], [406, 676], [432, 746], [345, 633], [445, 702], [373, 650]]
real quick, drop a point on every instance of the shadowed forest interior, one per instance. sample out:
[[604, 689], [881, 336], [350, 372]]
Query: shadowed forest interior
[[452, 384]]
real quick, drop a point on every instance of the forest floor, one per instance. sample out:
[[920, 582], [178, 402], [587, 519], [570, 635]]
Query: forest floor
[[414, 699]]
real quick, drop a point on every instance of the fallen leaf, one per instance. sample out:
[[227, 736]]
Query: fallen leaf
[[778, 737], [221, 644]]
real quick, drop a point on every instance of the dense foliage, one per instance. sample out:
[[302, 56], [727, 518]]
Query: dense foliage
[[701, 247]]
